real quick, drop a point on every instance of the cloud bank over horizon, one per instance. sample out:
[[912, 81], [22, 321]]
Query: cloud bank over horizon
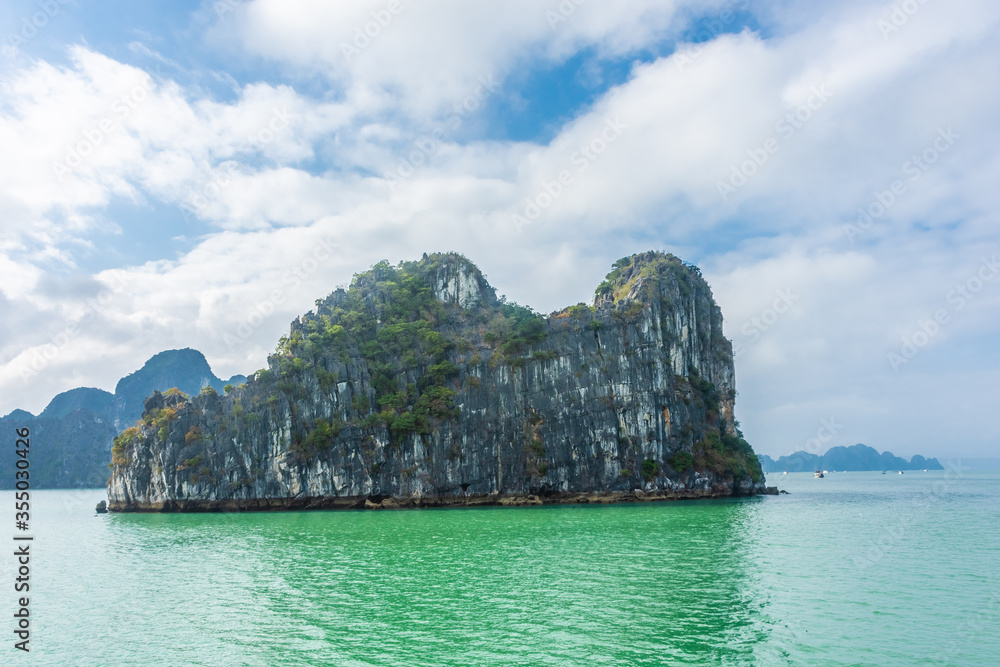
[[198, 174]]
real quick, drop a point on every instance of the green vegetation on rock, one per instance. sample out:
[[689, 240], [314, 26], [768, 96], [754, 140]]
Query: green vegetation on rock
[[723, 449], [681, 461], [401, 330], [728, 455], [118, 457], [418, 380], [319, 438]]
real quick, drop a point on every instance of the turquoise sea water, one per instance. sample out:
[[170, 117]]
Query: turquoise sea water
[[853, 569]]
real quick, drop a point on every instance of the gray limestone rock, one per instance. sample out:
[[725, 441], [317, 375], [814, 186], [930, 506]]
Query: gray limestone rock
[[419, 387]]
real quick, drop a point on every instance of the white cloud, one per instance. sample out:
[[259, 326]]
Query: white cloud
[[681, 124], [433, 54]]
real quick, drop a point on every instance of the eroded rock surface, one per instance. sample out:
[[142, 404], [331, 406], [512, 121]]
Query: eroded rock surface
[[417, 386]]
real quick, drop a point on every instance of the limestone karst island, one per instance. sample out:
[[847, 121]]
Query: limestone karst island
[[418, 386]]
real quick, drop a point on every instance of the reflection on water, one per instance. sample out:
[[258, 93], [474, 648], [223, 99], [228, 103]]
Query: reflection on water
[[614, 585], [752, 581]]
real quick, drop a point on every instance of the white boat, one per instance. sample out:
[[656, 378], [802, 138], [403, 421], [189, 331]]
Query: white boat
[[818, 474]]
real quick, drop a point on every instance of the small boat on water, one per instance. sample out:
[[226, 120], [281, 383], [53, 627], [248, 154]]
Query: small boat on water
[[818, 474], [900, 472], [785, 473]]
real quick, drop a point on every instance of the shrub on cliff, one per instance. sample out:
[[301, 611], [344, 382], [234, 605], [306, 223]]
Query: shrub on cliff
[[319, 438], [681, 461]]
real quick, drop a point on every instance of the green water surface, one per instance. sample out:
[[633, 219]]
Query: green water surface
[[854, 569]]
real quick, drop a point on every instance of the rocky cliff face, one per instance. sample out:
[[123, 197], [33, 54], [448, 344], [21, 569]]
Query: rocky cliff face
[[418, 386]]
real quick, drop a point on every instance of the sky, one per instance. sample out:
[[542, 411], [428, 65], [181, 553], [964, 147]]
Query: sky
[[196, 174]]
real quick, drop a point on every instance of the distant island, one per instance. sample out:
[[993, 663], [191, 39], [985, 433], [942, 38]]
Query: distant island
[[855, 458], [72, 435]]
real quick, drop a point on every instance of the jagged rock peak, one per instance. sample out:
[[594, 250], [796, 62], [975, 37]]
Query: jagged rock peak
[[451, 277], [633, 278], [457, 280]]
